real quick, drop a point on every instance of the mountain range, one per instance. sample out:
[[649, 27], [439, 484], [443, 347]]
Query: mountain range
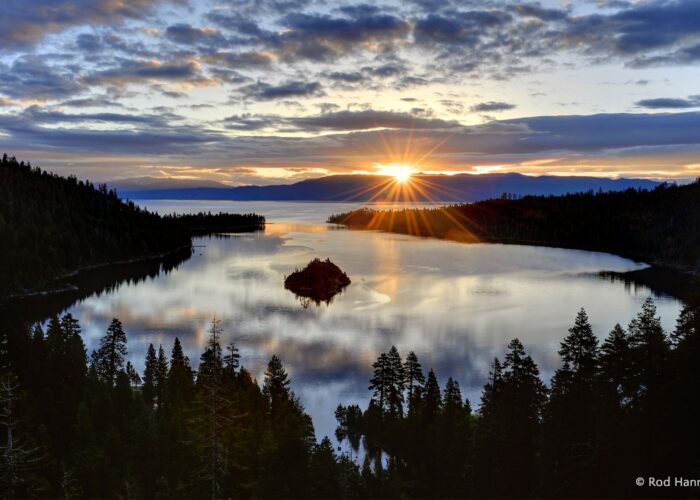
[[370, 188]]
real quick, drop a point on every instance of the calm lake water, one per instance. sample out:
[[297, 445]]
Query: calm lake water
[[455, 305]]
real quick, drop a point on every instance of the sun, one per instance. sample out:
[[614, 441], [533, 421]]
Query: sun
[[400, 173]]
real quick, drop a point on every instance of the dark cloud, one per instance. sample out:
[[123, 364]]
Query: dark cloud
[[323, 37], [385, 70], [464, 28], [186, 34], [250, 59], [332, 120], [29, 77], [681, 57], [146, 71], [655, 24], [36, 114], [158, 141], [92, 102], [670, 103], [491, 106], [369, 119], [261, 91], [248, 121], [24, 22], [91, 45], [536, 11], [347, 77]]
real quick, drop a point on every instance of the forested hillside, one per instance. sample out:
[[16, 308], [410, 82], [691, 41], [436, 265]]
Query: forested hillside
[[661, 226], [79, 426], [52, 225]]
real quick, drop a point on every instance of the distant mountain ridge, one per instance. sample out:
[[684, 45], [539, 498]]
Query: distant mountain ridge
[[367, 188]]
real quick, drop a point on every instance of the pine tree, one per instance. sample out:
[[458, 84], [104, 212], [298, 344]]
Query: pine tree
[[414, 381], [160, 375], [214, 410], [133, 375], [180, 376], [511, 411], [17, 457], [232, 359], [387, 383], [149, 376], [573, 411], [276, 385], [615, 362], [325, 478], [650, 349], [379, 383], [686, 325], [580, 348], [433, 401], [452, 399], [395, 393], [110, 355]]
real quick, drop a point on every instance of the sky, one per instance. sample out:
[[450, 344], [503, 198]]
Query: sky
[[234, 92]]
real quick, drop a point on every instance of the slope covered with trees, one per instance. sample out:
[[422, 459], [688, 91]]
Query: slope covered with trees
[[51, 226], [92, 426], [661, 226]]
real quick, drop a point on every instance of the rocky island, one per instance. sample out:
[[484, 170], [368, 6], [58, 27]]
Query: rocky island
[[319, 281]]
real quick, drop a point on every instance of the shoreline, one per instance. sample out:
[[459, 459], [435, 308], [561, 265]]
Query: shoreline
[[668, 278], [57, 286]]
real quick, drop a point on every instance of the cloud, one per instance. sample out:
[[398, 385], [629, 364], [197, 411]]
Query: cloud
[[186, 34], [146, 71], [491, 106], [29, 77], [25, 22], [250, 59], [36, 114], [319, 37], [465, 28], [342, 121], [261, 91], [347, 77], [670, 103], [369, 119]]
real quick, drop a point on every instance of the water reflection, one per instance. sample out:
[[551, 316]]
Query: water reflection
[[456, 305]]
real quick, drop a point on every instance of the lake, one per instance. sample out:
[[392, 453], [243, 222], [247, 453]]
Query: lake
[[455, 305]]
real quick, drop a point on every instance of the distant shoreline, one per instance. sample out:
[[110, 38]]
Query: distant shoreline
[[58, 285]]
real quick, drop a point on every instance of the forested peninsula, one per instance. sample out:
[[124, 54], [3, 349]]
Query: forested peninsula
[[52, 226], [659, 226]]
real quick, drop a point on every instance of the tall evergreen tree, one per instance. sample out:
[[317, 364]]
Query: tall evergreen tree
[[110, 355], [433, 402], [149, 376], [214, 408], [276, 385], [452, 399], [395, 393], [414, 381], [511, 413], [133, 375], [573, 411], [615, 362], [160, 375], [686, 325], [232, 359], [650, 349]]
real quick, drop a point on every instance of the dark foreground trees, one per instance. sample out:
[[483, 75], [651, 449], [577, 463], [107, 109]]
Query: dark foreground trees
[[615, 410]]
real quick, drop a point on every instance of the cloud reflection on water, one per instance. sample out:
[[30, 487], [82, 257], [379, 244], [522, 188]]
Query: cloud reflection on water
[[456, 305]]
